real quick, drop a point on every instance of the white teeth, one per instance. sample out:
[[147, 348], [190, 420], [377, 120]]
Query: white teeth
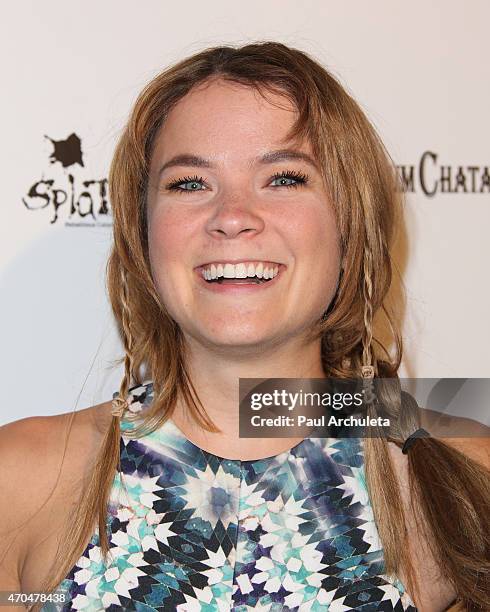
[[229, 271], [240, 271]]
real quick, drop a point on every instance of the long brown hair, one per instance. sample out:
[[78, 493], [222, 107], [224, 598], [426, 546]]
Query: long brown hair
[[450, 490]]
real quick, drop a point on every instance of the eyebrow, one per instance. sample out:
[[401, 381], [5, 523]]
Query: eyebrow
[[271, 157]]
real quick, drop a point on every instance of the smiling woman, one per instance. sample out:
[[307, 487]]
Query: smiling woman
[[254, 209], [243, 215]]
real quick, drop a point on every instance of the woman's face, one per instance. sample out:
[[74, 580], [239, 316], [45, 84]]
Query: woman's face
[[220, 193]]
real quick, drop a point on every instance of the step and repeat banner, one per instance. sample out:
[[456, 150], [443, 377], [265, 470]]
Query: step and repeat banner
[[70, 74]]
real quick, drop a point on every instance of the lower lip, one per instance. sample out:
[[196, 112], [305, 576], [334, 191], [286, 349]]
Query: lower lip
[[239, 288]]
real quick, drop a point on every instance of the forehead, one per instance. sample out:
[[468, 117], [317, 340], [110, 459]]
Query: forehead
[[226, 120]]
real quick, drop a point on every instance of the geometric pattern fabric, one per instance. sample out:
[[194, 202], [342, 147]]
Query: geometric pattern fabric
[[191, 531]]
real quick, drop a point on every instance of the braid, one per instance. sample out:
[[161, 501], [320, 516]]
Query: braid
[[367, 336], [380, 474], [120, 403], [368, 369], [119, 406]]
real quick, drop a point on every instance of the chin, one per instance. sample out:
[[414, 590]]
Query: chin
[[235, 336]]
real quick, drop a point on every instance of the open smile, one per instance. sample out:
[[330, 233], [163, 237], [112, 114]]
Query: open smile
[[239, 277]]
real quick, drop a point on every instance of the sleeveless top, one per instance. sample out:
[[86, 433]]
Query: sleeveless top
[[191, 531]]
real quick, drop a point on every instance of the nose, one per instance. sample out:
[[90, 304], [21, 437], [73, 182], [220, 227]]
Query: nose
[[235, 215]]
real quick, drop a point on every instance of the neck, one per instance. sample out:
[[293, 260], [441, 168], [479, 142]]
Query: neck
[[215, 376]]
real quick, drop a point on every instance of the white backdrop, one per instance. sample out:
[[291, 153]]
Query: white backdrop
[[418, 69]]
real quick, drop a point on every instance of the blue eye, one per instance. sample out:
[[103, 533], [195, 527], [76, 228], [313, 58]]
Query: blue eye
[[193, 181], [298, 177], [282, 183]]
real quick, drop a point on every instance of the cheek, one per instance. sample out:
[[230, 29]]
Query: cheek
[[168, 235], [315, 236], [317, 247], [167, 245], [160, 242]]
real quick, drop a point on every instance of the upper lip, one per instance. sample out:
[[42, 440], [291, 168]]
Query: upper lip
[[236, 261]]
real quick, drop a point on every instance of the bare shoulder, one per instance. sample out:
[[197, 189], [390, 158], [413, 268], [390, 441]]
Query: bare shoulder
[[468, 436], [42, 460], [477, 448]]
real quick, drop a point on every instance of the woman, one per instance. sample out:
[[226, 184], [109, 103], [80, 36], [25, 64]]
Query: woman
[[254, 165]]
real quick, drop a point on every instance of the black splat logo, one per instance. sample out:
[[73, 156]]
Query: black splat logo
[[67, 152], [83, 202]]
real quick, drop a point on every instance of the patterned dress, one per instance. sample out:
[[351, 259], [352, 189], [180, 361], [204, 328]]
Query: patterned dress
[[192, 531]]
